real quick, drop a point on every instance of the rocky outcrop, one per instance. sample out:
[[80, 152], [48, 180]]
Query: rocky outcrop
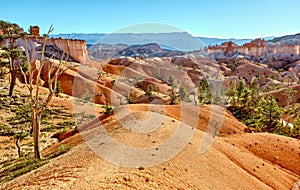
[[143, 69], [77, 86], [157, 86], [257, 48], [137, 51], [258, 42], [77, 48], [34, 30], [297, 69], [147, 50]]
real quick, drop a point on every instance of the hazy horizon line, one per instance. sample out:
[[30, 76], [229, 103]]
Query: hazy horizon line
[[194, 35]]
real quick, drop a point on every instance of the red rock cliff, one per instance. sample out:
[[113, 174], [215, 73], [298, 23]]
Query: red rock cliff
[[77, 48]]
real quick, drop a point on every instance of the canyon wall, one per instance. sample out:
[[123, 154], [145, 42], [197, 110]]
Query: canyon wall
[[77, 48]]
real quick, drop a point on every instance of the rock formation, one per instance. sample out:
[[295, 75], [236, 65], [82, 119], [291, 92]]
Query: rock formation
[[256, 48], [77, 48], [34, 31]]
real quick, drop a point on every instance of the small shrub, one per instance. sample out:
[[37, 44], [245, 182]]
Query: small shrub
[[50, 128], [173, 96], [58, 89], [170, 81], [272, 76], [108, 109], [86, 97], [149, 90], [182, 93], [66, 123], [129, 99], [6, 130], [63, 148], [2, 72], [158, 76]]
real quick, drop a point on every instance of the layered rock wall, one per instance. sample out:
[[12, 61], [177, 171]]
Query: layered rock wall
[[77, 48]]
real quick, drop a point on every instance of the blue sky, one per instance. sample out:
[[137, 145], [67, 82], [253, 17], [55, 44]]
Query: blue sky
[[208, 18]]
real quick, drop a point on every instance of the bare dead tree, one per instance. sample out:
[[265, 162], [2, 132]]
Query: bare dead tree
[[34, 73]]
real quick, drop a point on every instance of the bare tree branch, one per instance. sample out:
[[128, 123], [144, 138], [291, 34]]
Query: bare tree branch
[[35, 73]]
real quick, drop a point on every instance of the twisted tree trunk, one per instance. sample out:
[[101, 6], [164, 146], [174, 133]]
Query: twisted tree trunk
[[36, 122], [12, 68], [18, 146], [12, 82]]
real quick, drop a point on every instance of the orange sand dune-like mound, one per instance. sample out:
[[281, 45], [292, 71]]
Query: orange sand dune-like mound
[[239, 161]]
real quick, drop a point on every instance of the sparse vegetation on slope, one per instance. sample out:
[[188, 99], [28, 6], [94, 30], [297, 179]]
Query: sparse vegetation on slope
[[262, 113]]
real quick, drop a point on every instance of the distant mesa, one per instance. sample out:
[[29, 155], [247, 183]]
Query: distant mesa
[[288, 39], [143, 38], [148, 50]]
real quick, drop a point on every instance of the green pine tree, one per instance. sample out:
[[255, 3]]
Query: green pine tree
[[149, 90], [205, 95], [12, 32], [269, 113], [182, 93]]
